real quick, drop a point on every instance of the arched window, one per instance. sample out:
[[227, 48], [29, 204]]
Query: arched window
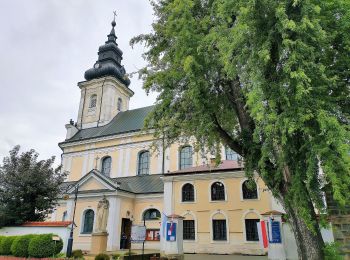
[[93, 101], [151, 214], [88, 221], [187, 192], [230, 154], [249, 190], [119, 104], [217, 191], [219, 226], [185, 157], [64, 216], [106, 166], [143, 163]]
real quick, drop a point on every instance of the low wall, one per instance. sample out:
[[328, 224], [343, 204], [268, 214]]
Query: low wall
[[63, 232]]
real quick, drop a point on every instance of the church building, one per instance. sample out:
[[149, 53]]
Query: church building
[[108, 155]]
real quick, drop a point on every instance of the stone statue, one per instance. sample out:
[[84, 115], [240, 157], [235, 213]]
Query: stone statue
[[102, 215]]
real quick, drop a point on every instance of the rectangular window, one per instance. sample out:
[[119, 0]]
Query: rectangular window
[[219, 229], [251, 229], [188, 230]]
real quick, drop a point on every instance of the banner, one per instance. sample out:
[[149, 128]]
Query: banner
[[138, 234]]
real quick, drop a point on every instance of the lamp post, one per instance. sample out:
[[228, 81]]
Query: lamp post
[[70, 239]]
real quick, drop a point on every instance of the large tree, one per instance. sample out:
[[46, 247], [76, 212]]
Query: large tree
[[29, 188], [270, 79]]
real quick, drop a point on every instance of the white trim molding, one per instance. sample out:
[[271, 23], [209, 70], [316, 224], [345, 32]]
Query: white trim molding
[[189, 212], [194, 190], [227, 241], [225, 190], [241, 190], [245, 213]]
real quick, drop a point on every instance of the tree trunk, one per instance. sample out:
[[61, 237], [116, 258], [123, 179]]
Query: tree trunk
[[309, 242]]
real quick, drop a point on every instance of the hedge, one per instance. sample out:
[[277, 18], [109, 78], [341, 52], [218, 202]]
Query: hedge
[[43, 246], [20, 245], [40, 246], [5, 245]]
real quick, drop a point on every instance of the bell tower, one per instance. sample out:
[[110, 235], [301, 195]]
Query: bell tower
[[106, 91]]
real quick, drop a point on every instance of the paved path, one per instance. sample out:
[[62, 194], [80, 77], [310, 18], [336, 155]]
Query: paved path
[[222, 257]]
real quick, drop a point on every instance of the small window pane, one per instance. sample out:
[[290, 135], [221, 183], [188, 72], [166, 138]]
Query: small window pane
[[219, 229], [185, 157], [151, 214], [251, 229], [119, 105], [143, 167], [249, 190], [88, 221], [217, 191], [106, 166], [187, 192], [64, 217], [230, 154], [93, 100], [188, 230]]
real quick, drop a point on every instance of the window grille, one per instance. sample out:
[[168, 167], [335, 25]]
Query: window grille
[[88, 221], [251, 229], [143, 167], [151, 214], [187, 192], [93, 100], [219, 229], [188, 230], [106, 166], [217, 191], [185, 157], [119, 105]]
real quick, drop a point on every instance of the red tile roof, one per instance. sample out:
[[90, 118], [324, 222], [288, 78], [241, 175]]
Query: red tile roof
[[223, 166], [47, 224], [272, 212]]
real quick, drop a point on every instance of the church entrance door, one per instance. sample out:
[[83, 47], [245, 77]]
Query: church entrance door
[[125, 235]]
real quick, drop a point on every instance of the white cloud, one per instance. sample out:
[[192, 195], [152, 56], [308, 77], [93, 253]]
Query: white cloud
[[45, 48]]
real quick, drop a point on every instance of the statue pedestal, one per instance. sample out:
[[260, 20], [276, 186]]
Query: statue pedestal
[[98, 243]]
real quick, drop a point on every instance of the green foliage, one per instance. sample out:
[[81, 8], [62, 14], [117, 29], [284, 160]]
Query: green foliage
[[270, 79], [1, 238], [5, 245], [116, 256], [77, 253], [43, 246], [332, 251], [102, 257], [28, 188], [20, 245]]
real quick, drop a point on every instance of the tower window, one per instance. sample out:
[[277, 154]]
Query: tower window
[[119, 104], [106, 166], [185, 157], [143, 164], [93, 101]]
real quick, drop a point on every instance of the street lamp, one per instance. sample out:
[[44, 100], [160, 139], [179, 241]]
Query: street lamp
[[70, 239]]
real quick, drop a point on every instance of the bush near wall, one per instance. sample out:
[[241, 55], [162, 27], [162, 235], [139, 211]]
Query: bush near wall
[[5, 245], [20, 245], [40, 246]]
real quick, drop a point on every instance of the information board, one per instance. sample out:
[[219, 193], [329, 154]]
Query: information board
[[275, 232], [138, 234], [171, 231]]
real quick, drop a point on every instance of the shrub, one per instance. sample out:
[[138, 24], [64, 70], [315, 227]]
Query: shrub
[[102, 257], [5, 246], [20, 245], [43, 246], [116, 256], [1, 237], [332, 251], [77, 253]]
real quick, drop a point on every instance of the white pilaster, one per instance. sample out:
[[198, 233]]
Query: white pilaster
[[113, 225], [120, 163], [70, 208]]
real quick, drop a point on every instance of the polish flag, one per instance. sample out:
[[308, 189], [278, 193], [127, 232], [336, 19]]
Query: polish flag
[[262, 231]]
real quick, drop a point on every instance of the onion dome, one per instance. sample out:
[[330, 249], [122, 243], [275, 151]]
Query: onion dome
[[109, 61]]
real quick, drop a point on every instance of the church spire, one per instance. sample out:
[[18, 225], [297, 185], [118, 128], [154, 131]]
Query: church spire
[[109, 60]]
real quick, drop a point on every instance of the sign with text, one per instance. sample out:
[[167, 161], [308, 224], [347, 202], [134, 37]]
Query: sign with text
[[275, 232], [138, 234], [171, 231]]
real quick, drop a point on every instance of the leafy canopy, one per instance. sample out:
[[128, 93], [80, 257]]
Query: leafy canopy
[[29, 188], [270, 79]]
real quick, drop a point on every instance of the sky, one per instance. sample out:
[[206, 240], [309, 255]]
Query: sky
[[45, 48]]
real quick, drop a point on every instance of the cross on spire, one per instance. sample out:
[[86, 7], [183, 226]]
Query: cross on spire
[[115, 15]]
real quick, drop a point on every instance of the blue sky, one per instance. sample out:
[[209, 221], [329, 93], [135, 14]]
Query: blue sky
[[45, 48]]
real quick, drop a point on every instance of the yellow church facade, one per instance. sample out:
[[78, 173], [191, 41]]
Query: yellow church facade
[[107, 154]]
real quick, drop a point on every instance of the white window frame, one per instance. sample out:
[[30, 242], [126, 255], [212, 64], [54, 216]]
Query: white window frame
[[241, 190], [212, 241], [225, 190], [195, 226], [82, 221], [194, 190], [243, 224]]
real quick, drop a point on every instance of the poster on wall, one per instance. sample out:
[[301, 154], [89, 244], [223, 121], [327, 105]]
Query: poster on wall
[[152, 234], [275, 232], [138, 234], [171, 231]]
